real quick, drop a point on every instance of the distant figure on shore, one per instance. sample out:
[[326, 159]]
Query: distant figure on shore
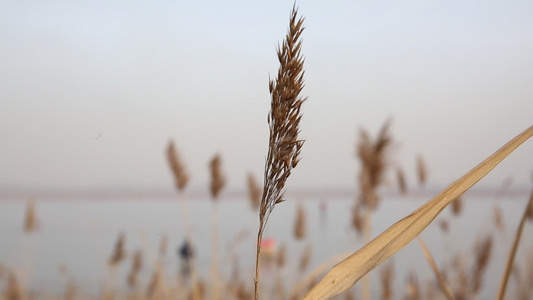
[[186, 253], [323, 207]]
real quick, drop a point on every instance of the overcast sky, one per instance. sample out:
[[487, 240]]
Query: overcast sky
[[91, 91]]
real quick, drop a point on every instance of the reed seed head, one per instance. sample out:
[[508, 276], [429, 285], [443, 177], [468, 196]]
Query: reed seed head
[[483, 250], [457, 206], [373, 155], [386, 277], [254, 191], [305, 259], [119, 252], [299, 224], [422, 170], [14, 290], [281, 256], [136, 265], [402, 184], [284, 118], [30, 221], [181, 177], [217, 178]]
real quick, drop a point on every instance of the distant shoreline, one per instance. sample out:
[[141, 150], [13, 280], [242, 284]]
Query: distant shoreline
[[299, 193]]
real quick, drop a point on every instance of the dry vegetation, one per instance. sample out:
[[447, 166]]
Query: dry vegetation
[[461, 279]]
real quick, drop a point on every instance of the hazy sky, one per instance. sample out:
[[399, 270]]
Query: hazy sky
[[91, 91]]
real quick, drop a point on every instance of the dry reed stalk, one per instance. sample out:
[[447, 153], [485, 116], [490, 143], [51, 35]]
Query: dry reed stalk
[[422, 170], [299, 224], [217, 183], [512, 252], [457, 206], [136, 265], [441, 280], [402, 184], [483, 250], [30, 220], [181, 179], [254, 192], [345, 274], [118, 252], [283, 119], [386, 277]]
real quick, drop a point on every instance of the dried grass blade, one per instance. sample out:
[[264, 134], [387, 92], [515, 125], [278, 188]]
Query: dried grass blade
[[442, 282], [512, 253], [345, 274]]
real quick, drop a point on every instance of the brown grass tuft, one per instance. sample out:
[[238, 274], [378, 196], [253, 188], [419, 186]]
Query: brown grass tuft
[[284, 121], [254, 192], [181, 177], [217, 178]]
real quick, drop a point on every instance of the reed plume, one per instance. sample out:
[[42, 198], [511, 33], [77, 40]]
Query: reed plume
[[119, 252], [373, 155], [412, 287], [422, 170], [299, 224], [254, 192], [457, 206], [386, 277], [14, 290], [284, 121], [217, 183], [281, 256], [483, 251], [181, 177], [136, 265], [163, 246], [306, 257], [402, 184], [30, 220], [217, 178]]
